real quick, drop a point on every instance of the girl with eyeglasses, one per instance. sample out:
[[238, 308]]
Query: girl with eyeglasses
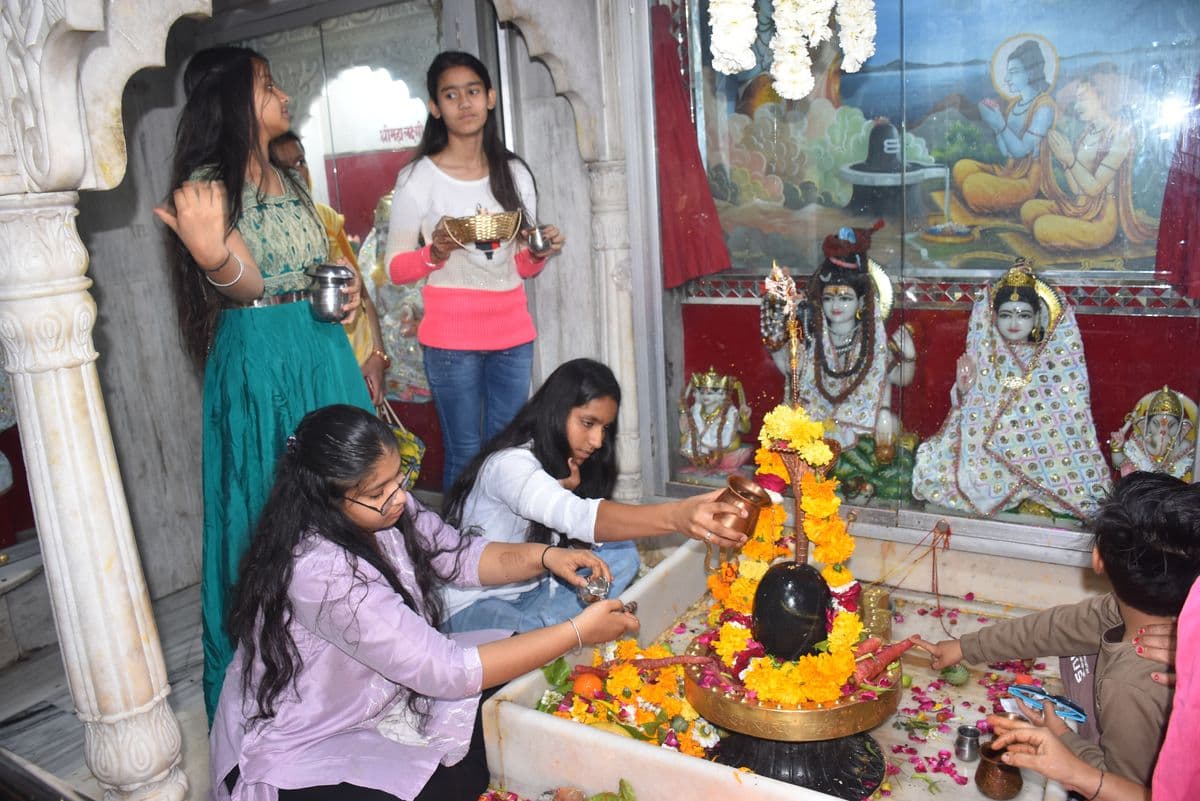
[[342, 686]]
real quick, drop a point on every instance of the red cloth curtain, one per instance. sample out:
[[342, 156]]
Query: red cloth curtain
[[692, 243], [1178, 259]]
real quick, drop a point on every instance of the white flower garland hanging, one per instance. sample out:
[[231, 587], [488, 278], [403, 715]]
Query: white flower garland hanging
[[734, 27], [800, 25]]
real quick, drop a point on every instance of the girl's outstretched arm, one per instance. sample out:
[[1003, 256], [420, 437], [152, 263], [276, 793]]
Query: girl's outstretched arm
[[504, 660], [506, 562], [693, 517]]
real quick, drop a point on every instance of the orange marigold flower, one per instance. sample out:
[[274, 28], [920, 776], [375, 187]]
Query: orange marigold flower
[[623, 682], [741, 595], [835, 549], [770, 463], [627, 649]]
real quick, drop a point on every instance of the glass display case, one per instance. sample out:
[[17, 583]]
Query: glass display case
[[984, 247]]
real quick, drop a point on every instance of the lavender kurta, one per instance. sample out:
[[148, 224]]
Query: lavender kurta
[[361, 650]]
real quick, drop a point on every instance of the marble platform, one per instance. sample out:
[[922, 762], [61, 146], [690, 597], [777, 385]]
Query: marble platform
[[530, 751]]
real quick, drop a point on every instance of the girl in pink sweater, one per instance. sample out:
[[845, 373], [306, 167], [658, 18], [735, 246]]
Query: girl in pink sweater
[[477, 332]]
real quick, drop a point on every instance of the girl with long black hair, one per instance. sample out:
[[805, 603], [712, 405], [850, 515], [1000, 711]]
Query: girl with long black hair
[[549, 476], [244, 234], [477, 332], [342, 687]]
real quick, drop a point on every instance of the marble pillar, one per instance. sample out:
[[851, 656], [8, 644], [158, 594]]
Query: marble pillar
[[60, 130]]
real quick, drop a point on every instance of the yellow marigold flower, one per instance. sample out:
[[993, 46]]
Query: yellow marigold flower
[[820, 507], [835, 549], [623, 682], [845, 632], [657, 651], [741, 595], [837, 575], [731, 640], [627, 649], [579, 710], [816, 453], [757, 550], [687, 711], [770, 463], [790, 424], [672, 705], [822, 529], [751, 569]]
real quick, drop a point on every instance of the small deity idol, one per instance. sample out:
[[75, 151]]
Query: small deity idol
[[1020, 430], [713, 416], [1159, 436]]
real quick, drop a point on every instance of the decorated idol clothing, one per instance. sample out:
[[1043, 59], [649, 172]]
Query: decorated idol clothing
[[829, 387], [1022, 431], [1179, 462]]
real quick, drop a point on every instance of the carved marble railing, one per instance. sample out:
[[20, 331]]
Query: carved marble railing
[[64, 68]]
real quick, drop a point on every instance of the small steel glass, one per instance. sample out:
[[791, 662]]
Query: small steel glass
[[539, 243], [966, 744], [596, 589]]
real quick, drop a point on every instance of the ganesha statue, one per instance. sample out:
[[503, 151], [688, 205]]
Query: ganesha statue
[[1159, 436], [713, 417]]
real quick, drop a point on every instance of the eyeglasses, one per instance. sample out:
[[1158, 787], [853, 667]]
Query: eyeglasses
[[1035, 697], [389, 503]]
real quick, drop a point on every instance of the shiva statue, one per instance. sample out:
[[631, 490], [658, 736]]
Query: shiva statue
[[713, 417], [1019, 435], [1159, 436], [846, 365]]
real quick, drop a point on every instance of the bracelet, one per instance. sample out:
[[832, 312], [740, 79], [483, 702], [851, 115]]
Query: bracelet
[[579, 639], [434, 264], [228, 254], [241, 271], [1099, 787], [387, 360], [543, 560]]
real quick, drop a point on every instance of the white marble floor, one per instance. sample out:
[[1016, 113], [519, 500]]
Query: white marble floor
[[37, 717]]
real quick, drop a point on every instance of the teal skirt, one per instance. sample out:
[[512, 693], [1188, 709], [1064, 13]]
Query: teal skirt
[[268, 367]]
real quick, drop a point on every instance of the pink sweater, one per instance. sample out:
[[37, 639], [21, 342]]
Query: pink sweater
[[457, 318], [1177, 774]]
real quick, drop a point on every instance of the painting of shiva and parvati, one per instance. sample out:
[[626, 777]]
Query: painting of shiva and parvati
[[989, 132]]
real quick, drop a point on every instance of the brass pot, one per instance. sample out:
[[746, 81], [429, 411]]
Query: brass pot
[[994, 778]]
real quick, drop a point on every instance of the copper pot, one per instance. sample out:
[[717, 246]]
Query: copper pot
[[994, 778], [744, 494]]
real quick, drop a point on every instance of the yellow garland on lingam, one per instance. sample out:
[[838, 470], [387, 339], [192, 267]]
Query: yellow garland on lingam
[[811, 679]]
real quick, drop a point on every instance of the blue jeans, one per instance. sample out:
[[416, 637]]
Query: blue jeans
[[476, 393], [551, 601]]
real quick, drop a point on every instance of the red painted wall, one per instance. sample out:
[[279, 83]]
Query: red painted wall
[[357, 181]]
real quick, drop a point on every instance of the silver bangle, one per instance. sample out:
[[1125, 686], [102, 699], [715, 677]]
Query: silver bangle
[[578, 637], [241, 271]]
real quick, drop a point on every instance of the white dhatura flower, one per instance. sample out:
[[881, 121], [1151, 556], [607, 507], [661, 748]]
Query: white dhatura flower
[[856, 32], [734, 27]]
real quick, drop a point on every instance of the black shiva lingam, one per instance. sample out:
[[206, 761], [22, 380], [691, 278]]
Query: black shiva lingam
[[824, 747]]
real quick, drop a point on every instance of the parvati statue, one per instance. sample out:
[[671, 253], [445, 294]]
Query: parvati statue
[[1159, 436], [713, 416], [1020, 430]]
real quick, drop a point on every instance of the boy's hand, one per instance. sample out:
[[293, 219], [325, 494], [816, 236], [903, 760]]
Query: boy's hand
[[944, 653], [1048, 716]]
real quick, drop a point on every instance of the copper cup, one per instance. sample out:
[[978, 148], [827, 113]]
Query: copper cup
[[744, 494], [994, 778]]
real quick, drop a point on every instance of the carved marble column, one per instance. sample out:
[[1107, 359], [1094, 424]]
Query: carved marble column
[[610, 257], [106, 631], [66, 63]]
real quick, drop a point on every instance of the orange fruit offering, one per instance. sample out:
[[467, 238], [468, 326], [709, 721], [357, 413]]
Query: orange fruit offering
[[587, 685]]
